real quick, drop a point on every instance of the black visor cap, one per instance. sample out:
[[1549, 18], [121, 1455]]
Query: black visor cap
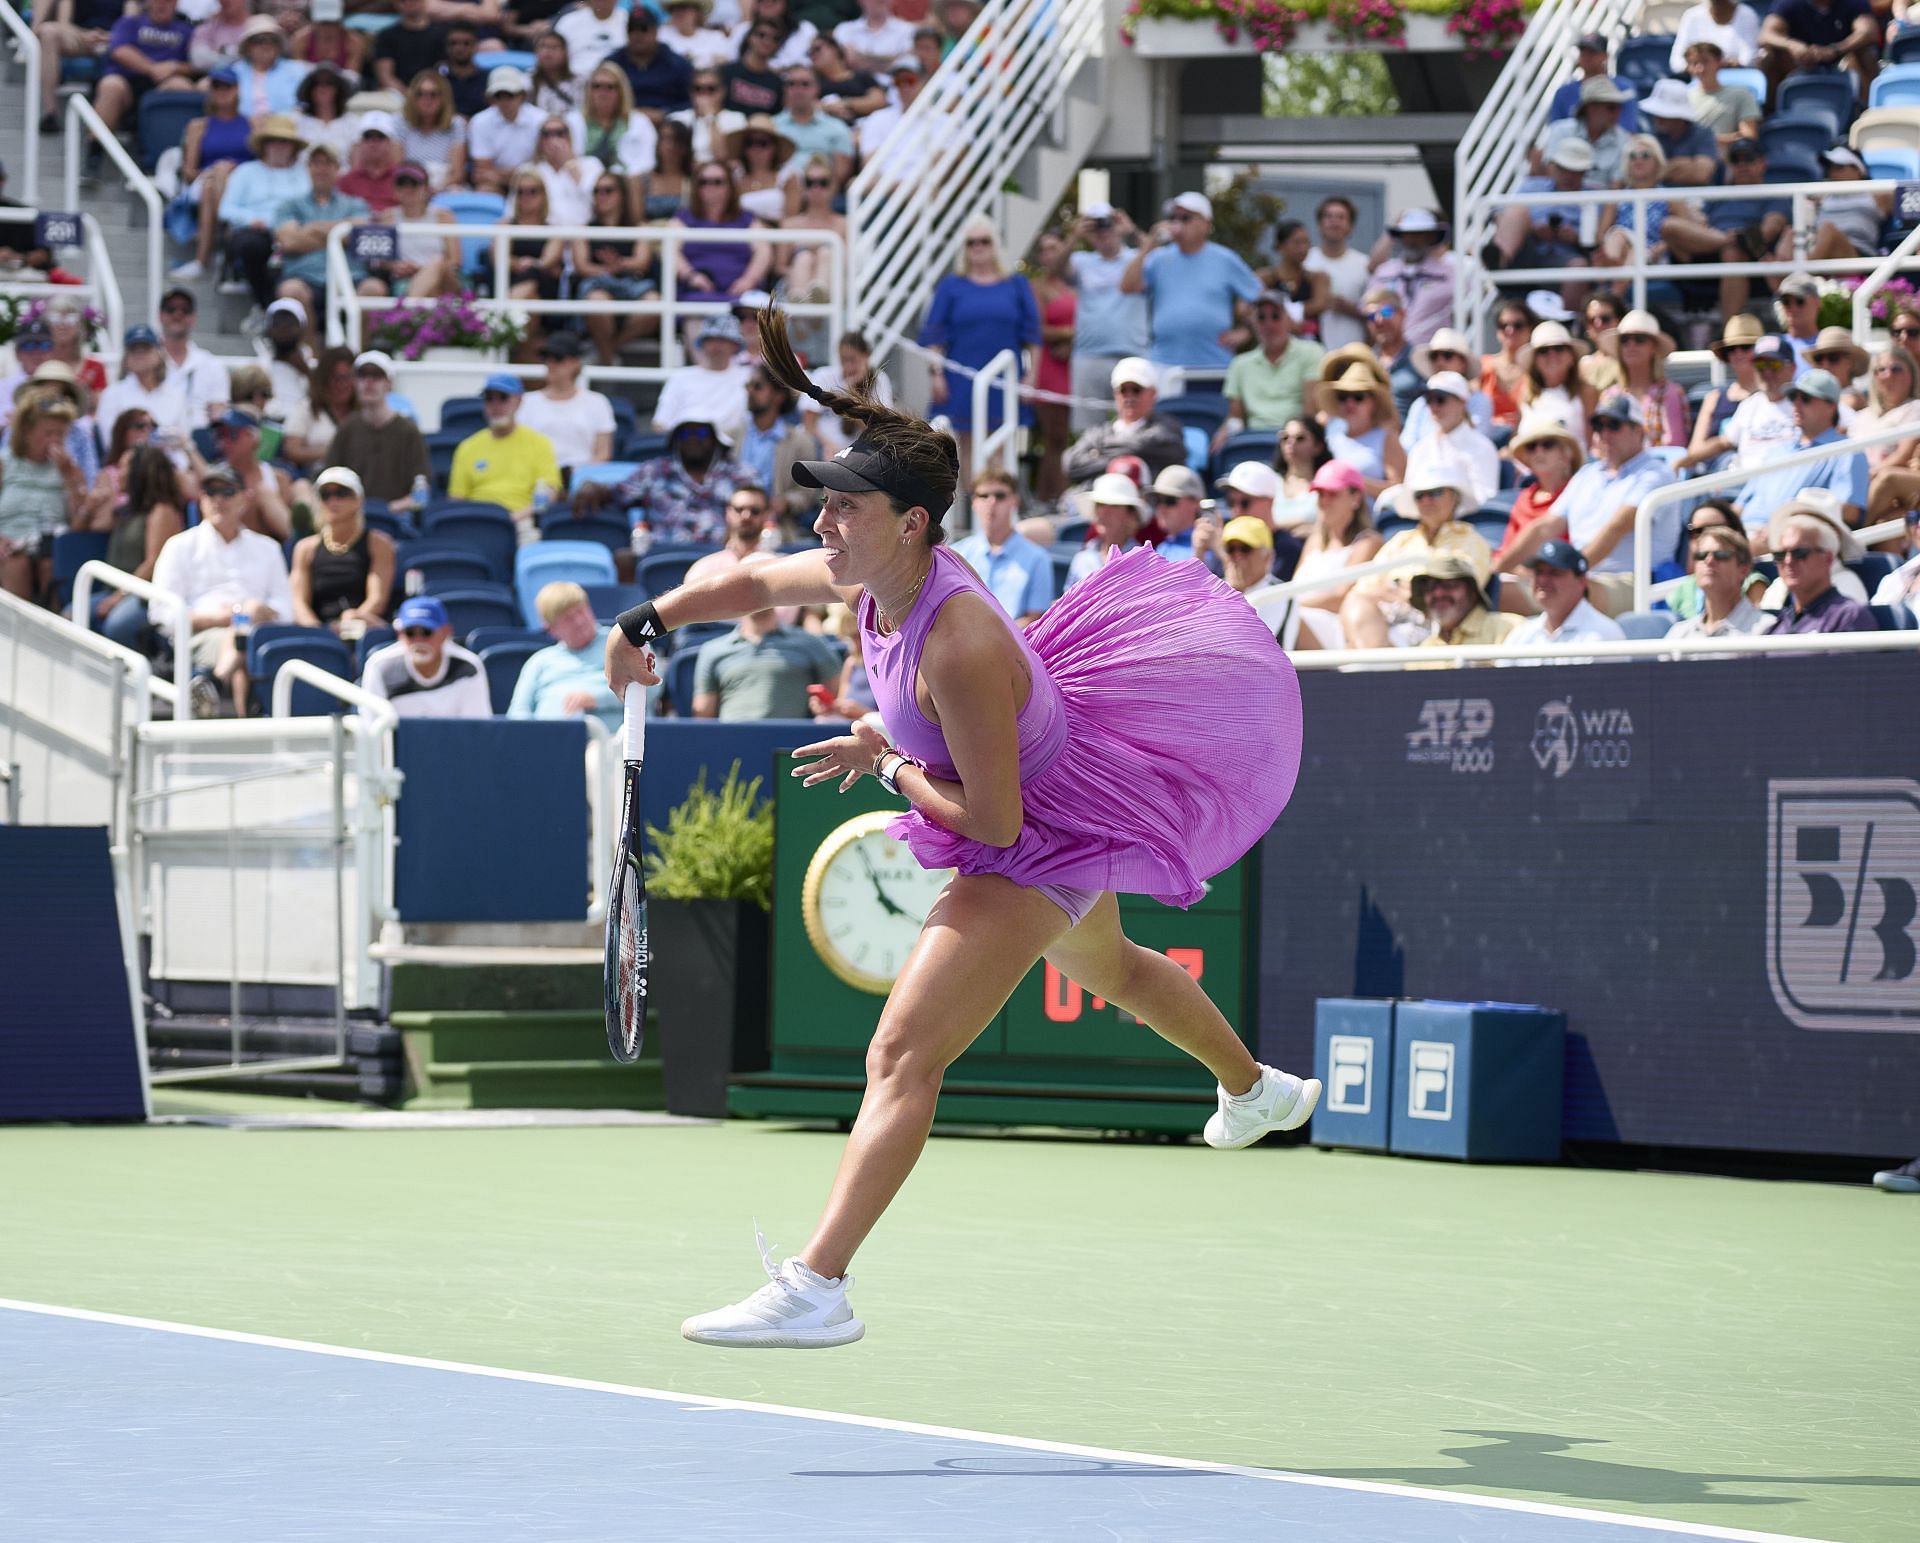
[[860, 468]]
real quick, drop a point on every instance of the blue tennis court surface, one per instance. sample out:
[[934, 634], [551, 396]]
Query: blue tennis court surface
[[116, 1428]]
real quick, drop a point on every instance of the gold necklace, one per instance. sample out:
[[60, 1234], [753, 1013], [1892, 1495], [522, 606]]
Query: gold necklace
[[906, 605], [326, 538]]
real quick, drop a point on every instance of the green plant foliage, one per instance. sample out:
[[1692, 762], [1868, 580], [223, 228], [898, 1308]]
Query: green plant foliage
[[1328, 86], [1243, 218], [718, 845]]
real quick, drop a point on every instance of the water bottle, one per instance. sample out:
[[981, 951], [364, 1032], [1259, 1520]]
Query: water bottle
[[422, 490], [242, 621], [642, 538], [542, 501], [416, 582]]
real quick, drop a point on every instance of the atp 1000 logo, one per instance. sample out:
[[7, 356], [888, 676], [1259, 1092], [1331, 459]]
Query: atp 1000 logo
[[1454, 732], [1843, 866]]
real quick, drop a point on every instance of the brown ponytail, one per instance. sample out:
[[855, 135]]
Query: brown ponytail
[[927, 456]]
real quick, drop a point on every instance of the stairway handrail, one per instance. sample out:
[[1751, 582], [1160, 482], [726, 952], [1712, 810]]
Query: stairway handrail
[[81, 118]]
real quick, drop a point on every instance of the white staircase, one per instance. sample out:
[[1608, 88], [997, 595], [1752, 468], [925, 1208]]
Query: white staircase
[[1001, 128]]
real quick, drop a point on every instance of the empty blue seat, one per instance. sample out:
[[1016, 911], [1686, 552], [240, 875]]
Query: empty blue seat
[[71, 548], [316, 646], [638, 444], [462, 412], [626, 417], [371, 642], [1645, 624], [1898, 163], [1754, 80], [479, 605], [1074, 532], [1247, 445], [679, 679], [1813, 131], [666, 569], [1897, 86], [491, 537], [556, 562], [439, 564], [398, 526], [473, 209], [272, 632], [1831, 90], [609, 600], [1198, 442], [1793, 163], [604, 474], [1644, 60], [1491, 524], [1198, 409], [483, 638], [502, 661], [610, 530], [162, 120]]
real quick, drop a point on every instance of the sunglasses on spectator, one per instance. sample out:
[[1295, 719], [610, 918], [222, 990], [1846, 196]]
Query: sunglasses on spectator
[[409, 182], [1425, 495], [1608, 425], [1353, 396], [1241, 501], [1906, 332], [1267, 313], [1166, 500], [1639, 155], [1181, 216], [979, 241], [702, 87], [495, 396], [1799, 299], [416, 632], [1833, 356], [176, 309], [1130, 388], [1513, 326], [334, 494], [560, 133], [1738, 348], [1796, 554], [746, 508], [1383, 313], [1715, 554], [1237, 549], [819, 182], [712, 182], [1771, 362], [144, 426], [606, 189], [528, 192]]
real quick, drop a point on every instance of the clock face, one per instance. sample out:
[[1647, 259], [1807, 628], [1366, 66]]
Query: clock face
[[864, 902]]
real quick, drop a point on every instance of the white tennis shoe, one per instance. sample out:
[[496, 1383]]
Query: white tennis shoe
[[795, 1310], [1278, 1101]]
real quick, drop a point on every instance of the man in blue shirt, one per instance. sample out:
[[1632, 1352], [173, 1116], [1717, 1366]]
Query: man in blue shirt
[[1109, 323], [1736, 230], [1199, 289], [662, 81], [1815, 397], [301, 226], [1693, 154], [568, 680], [1018, 571], [1600, 503], [772, 439], [1590, 59], [1818, 35]]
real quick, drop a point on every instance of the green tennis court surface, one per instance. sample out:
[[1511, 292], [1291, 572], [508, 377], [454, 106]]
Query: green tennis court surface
[[1707, 1351]]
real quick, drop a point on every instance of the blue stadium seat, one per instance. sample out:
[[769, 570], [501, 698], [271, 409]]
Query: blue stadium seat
[[473, 209], [608, 474], [1198, 442], [1491, 524], [398, 526], [162, 121], [1754, 80], [626, 417], [1062, 561], [1904, 48], [1832, 90], [206, 444], [1393, 524], [610, 530], [483, 638], [369, 23], [1793, 164], [1074, 532], [1899, 163], [638, 444], [71, 548], [439, 565], [479, 605], [679, 680], [1813, 131], [274, 632], [1644, 60], [317, 647], [502, 662], [84, 72], [1197, 409], [507, 58], [1898, 86], [371, 642], [554, 562], [441, 445], [467, 412], [491, 536], [665, 569], [1247, 445], [1645, 624], [609, 600], [1872, 569], [437, 507]]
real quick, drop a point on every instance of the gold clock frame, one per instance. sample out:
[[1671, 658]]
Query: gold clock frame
[[831, 846]]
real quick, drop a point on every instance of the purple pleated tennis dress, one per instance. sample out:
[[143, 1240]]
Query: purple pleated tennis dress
[[1160, 741]]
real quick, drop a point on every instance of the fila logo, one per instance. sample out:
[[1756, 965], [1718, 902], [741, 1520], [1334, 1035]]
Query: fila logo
[[1350, 1074], [1843, 870], [1429, 1080]]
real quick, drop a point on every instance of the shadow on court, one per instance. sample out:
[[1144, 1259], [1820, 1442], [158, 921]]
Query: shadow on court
[[1535, 1462]]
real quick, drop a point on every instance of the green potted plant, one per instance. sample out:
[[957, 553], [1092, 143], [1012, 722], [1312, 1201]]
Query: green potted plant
[[709, 888]]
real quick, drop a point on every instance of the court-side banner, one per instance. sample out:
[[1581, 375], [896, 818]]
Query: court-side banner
[[1711, 868]]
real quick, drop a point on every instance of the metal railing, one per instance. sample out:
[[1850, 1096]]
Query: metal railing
[[1490, 159], [1896, 261], [1002, 371], [28, 48], [952, 151], [346, 308], [1644, 556], [179, 616], [1475, 212], [84, 123]]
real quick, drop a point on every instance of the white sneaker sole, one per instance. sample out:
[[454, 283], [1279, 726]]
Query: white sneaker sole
[[775, 1339], [1298, 1113]]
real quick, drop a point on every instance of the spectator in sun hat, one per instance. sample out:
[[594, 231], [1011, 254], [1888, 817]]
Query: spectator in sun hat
[[1137, 427], [423, 673], [1641, 345], [1596, 119], [1181, 528], [1267, 384], [1809, 540], [32, 347], [54, 377], [1449, 350], [1378, 611], [1693, 154], [1601, 501], [506, 462], [1421, 273], [1551, 453], [1197, 290], [1560, 585], [269, 81], [1453, 599], [1454, 442], [713, 388], [1118, 511], [384, 447], [1815, 402], [1590, 63], [1362, 425], [1835, 351], [1735, 349], [255, 193]]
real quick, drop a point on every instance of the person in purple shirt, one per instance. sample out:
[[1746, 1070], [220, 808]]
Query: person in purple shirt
[[1807, 537], [147, 49]]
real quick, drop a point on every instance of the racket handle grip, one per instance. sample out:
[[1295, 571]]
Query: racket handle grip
[[633, 738]]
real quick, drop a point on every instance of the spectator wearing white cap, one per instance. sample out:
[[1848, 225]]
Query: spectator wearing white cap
[[1601, 501], [1551, 235], [1267, 384], [376, 162], [1184, 528], [1136, 428], [1420, 272], [1109, 323], [1453, 441], [1249, 492], [1117, 511], [1378, 611], [1693, 154], [505, 136], [1018, 571], [1449, 351], [343, 573], [1196, 288], [1596, 119], [1561, 586], [1849, 222], [386, 449], [713, 389]]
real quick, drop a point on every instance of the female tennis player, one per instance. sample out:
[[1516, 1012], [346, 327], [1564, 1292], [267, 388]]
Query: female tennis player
[[1151, 680]]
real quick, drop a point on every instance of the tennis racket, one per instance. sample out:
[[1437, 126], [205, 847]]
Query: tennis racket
[[626, 983]]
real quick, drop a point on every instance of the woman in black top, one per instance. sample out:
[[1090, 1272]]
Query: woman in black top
[[343, 572], [752, 83], [615, 268]]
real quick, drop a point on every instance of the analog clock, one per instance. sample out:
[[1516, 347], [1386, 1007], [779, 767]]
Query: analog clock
[[863, 901]]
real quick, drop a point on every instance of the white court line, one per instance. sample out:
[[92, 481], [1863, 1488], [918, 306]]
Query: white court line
[[702, 1401]]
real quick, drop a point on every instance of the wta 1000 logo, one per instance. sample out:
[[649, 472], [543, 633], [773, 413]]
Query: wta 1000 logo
[[1565, 737], [1843, 867]]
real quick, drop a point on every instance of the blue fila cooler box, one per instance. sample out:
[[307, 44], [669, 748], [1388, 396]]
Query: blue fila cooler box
[[1479, 1081], [1353, 1058]]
